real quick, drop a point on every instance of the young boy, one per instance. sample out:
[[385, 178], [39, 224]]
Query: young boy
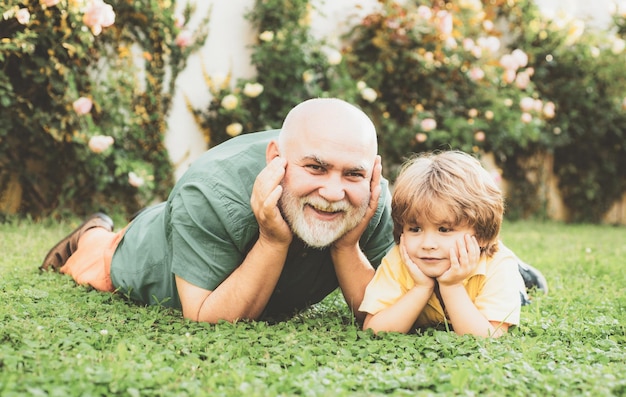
[[447, 268]]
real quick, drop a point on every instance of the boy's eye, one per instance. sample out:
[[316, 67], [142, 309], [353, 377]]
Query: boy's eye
[[414, 229], [444, 229]]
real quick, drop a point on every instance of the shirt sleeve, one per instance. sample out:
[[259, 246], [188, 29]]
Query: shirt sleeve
[[499, 299], [207, 237], [389, 284]]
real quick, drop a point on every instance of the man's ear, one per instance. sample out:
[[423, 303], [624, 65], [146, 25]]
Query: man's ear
[[271, 152]]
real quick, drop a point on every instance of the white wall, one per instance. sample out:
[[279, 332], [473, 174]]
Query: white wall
[[230, 35]]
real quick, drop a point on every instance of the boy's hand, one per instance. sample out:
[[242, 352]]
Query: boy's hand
[[418, 276], [463, 261]]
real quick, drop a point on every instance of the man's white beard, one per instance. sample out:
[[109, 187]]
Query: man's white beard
[[315, 232]]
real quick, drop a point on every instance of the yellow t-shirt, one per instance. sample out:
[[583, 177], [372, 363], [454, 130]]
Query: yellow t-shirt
[[494, 287]]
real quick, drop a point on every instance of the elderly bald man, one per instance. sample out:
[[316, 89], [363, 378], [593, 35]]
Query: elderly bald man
[[259, 227]]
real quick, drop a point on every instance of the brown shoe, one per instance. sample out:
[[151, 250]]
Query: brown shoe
[[60, 253]]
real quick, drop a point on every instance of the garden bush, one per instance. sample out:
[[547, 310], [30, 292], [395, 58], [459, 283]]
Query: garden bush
[[85, 88], [493, 77]]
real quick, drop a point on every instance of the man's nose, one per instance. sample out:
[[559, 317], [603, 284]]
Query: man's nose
[[333, 189]]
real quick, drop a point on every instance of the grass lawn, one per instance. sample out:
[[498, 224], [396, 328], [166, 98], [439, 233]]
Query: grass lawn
[[58, 339]]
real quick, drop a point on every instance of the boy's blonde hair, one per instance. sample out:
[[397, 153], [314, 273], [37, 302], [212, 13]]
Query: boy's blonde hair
[[449, 187]]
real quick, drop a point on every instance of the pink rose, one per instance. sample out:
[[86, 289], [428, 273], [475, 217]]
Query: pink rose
[[135, 180], [476, 73], [428, 124], [522, 80], [520, 57], [22, 15], [100, 143], [509, 76], [526, 118], [82, 105], [508, 62], [446, 24], [424, 12], [527, 104], [479, 136], [421, 137], [183, 39], [549, 110], [98, 15]]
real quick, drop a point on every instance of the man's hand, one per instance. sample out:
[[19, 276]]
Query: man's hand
[[264, 201], [352, 238], [463, 261]]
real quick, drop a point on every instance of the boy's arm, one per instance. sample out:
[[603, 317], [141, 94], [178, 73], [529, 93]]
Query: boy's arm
[[400, 316], [465, 317]]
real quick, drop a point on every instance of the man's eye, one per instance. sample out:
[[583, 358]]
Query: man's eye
[[315, 167]]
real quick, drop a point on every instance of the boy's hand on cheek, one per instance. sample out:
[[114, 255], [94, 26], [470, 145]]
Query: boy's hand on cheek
[[463, 261], [418, 276]]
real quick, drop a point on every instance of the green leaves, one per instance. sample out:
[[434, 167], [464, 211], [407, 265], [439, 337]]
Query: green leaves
[[57, 338]]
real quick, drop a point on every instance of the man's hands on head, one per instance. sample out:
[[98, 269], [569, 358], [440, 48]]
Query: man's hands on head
[[351, 239], [266, 192]]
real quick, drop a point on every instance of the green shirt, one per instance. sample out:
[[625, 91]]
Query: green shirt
[[204, 230]]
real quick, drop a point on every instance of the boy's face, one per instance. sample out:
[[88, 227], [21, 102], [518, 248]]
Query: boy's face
[[429, 245]]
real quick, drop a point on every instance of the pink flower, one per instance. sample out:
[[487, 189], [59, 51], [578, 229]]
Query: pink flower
[[526, 118], [100, 143], [183, 39], [508, 62], [446, 24], [428, 124], [549, 110], [479, 136], [424, 12], [50, 3], [476, 73], [477, 51], [520, 57], [527, 104], [98, 15], [82, 105], [490, 43], [421, 137], [468, 44], [522, 80], [22, 15], [509, 76], [135, 180]]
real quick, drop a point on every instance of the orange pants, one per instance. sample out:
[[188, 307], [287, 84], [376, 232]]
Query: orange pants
[[91, 263]]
